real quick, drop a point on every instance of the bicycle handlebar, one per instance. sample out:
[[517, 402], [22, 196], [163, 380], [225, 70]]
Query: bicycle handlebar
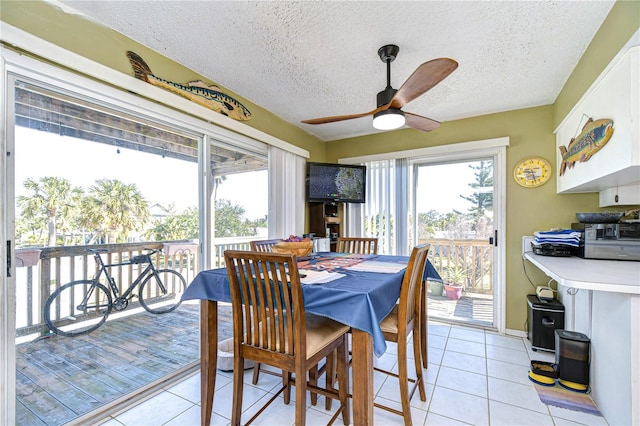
[[151, 251]]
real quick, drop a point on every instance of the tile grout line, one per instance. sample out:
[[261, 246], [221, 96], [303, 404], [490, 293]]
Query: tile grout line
[[486, 379]]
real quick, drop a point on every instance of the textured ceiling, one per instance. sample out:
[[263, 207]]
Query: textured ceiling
[[304, 60]]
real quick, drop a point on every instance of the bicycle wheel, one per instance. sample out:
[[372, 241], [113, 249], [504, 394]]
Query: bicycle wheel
[[161, 292], [77, 308]]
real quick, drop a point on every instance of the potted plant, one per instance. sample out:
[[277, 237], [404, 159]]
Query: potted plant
[[454, 281], [436, 287]]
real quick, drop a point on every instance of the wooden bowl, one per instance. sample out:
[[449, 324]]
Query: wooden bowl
[[299, 248]]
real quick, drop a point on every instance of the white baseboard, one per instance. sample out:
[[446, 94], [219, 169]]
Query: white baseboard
[[516, 333]]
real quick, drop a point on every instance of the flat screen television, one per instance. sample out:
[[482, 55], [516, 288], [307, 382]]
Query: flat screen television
[[336, 182]]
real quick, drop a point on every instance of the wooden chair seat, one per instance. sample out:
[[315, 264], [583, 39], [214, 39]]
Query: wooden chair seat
[[320, 330]]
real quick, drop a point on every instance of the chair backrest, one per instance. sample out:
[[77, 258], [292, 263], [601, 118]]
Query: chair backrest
[[357, 245], [411, 285], [263, 245], [267, 305]]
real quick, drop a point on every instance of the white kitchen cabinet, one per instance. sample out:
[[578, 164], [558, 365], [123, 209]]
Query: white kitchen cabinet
[[620, 196], [614, 95]]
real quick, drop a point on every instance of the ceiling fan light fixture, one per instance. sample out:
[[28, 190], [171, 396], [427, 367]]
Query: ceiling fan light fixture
[[388, 119]]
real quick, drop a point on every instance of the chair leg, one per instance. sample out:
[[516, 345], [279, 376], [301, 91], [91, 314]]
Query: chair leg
[[313, 379], [286, 381], [301, 395], [238, 382], [342, 355], [418, 366], [403, 379], [330, 376], [256, 373]]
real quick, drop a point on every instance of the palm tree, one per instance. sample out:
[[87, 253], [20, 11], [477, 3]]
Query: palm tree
[[114, 209], [175, 226], [52, 201]]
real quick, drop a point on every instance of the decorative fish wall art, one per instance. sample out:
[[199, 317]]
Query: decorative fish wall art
[[196, 91], [595, 134]]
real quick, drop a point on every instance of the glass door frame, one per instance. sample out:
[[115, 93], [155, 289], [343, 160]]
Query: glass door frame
[[15, 68], [7, 231], [474, 152]]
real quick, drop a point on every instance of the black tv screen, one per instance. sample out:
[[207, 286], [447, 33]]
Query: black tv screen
[[336, 182]]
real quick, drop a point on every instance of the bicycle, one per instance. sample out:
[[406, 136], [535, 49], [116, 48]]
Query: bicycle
[[160, 292]]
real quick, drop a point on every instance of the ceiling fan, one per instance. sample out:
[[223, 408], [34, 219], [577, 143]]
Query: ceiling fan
[[389, 115]]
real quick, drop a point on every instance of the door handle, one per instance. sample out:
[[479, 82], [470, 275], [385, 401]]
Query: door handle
[[494, 240], [8, 258]]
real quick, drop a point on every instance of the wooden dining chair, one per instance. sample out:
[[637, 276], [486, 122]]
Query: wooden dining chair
[[404, 320], [263, 245], [357, 245], [270, 326]]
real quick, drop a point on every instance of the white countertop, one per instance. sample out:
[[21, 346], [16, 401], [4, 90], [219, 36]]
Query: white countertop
[[617, 276]]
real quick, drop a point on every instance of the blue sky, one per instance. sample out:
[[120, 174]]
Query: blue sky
[[160, 180], [167, 180]]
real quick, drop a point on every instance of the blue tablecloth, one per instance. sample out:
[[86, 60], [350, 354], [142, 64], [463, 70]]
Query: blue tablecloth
[[359, 299]]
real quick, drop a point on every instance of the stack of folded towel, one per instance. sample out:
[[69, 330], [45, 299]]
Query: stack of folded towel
[[566, 237]]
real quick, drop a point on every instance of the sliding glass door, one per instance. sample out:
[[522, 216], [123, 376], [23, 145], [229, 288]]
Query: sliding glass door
[[454, 212], [89, 178], [87, 168]]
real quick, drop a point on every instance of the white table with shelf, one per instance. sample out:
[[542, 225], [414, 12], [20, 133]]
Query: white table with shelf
[[603, 301]]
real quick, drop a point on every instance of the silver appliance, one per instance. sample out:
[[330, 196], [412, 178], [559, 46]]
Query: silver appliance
[[613, 241]]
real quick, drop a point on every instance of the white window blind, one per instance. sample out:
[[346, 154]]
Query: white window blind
[[386, 210], [286, 193]]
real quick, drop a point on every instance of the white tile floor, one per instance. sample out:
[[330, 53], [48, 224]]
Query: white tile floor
[[474, 377]]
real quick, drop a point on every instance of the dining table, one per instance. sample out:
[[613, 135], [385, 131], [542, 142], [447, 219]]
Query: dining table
[[354, 289]]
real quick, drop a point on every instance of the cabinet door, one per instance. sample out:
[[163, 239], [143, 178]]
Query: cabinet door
[[620, 196]]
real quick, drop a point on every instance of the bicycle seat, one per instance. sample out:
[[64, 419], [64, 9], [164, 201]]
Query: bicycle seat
[[141, 258]]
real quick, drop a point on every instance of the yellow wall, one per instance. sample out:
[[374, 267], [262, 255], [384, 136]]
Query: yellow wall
[[530, 130], [623, 21]]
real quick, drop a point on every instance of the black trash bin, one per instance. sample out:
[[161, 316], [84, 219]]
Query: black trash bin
[[572, 359], [543, 319]]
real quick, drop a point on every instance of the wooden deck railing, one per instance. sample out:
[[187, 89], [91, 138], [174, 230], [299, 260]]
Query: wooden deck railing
[[229, 243], [40, 271], [474, 257]]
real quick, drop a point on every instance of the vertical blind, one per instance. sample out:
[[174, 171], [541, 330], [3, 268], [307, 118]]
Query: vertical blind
[[286, 193], [385, 214]]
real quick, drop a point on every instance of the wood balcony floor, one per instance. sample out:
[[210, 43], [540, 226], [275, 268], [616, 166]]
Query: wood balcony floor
[[471, 308], [60, 378]]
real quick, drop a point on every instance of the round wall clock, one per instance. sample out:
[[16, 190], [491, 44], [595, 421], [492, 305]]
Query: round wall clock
[[531, 172]]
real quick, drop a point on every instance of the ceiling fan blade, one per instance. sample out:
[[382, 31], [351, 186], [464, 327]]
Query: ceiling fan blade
[[421, 123], [335, 118], [423, 79]]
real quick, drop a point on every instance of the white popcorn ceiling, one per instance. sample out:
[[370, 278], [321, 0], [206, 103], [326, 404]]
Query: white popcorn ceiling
[[312, 59]]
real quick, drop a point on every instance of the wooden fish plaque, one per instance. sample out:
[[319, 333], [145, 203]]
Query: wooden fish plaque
[[196, 91], [594, 135]]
